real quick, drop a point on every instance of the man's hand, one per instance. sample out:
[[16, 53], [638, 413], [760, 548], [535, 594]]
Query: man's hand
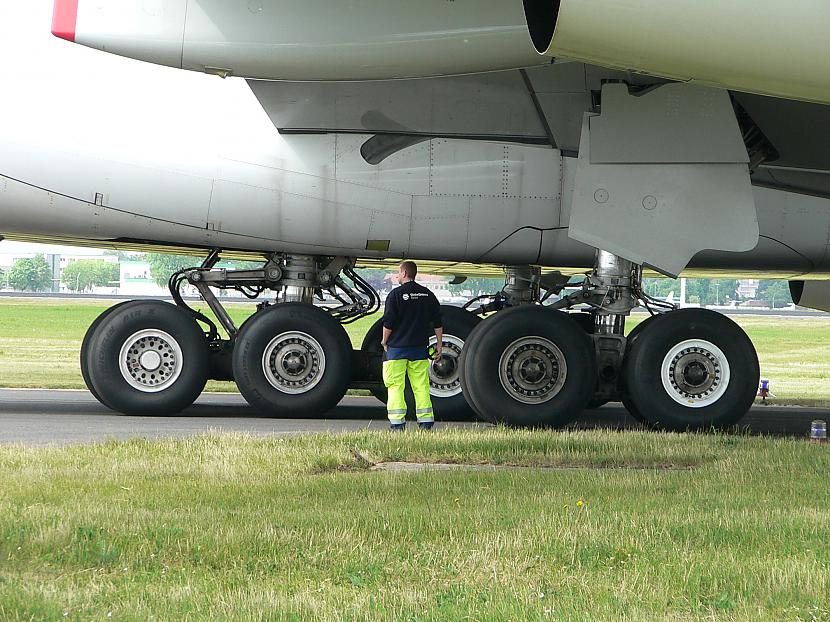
[[439, 343], [438, 347], [385, 347]]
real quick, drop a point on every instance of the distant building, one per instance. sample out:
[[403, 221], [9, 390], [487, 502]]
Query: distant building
[[136, 279], [748, 288]]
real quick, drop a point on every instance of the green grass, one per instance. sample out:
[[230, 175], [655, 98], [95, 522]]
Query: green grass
[[40, 341], [235, 528]]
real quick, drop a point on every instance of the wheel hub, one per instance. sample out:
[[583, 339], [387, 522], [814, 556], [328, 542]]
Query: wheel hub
[[294, 362], [150, 360], [695, 373], [445, 367], [532, 370], [444, 374]]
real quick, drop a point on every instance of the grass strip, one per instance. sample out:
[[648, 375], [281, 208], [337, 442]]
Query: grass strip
[[228, 527]]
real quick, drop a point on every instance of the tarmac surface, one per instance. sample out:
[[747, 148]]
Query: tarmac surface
[[40, 417]]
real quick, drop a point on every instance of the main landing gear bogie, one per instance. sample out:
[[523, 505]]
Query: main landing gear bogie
[[526, 364], [679, 370]]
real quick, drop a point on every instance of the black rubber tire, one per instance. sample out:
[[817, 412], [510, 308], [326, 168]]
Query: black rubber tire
[[624, 398], [85, 348], [596, 403], [486, 344], [458, 323], [642, 369], [254, 337], [586, 322], [103, 351]]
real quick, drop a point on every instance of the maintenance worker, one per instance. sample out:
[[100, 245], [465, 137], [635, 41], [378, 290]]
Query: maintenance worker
[[412, 313]]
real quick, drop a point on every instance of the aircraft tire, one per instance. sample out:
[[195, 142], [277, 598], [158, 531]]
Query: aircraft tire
[[691, 369], [293, 360], [531, 367], [586, 322], [448, 400], [625, 399], [147, 358], [88, 336]]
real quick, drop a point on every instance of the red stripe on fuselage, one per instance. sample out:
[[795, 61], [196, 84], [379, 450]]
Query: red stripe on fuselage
[[64, 19]]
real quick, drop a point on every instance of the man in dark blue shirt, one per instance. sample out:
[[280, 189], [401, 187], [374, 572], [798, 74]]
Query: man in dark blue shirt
[[411, 316]]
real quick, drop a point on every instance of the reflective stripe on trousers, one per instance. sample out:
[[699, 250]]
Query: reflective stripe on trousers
[[394, 377]]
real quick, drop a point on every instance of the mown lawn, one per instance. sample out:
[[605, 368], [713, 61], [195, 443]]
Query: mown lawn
[[40, 341], [639, 526]]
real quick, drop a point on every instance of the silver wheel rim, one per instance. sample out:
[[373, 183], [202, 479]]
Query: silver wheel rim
[[695, 373], [294, 362], [445, 375], [150, 360], [532, 370]]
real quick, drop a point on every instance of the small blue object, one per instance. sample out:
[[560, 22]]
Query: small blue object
[[818, 431], [397, 427], [426, 425]]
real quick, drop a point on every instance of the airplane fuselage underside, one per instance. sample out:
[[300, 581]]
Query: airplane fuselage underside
[[481, 200]]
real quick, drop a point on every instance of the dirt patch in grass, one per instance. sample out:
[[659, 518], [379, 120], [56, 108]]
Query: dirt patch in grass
[[451, 466]]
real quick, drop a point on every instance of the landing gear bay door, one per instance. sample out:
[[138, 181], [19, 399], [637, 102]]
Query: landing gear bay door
[[662, 175]]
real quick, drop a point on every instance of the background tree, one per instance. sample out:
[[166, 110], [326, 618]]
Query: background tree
[[124, 255], [478, 285], [376, 278], [84, 274], [163, 265], [775, 293], [31, 275], [661, 288], [3, 278]]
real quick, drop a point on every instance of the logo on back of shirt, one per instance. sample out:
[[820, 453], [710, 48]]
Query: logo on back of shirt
[[405, 296], [414, 295]]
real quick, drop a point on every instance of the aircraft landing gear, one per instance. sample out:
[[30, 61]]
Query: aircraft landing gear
[[679, 370], [289, 359], [528, 366]]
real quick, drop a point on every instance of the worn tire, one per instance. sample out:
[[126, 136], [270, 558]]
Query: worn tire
[[307, 353], [691, 369], [125, 336], [492, 368]]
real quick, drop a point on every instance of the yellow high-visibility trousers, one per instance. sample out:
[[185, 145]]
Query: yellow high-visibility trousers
[[394, 377]]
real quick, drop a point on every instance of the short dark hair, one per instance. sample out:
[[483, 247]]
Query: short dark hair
[[410, 269]]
